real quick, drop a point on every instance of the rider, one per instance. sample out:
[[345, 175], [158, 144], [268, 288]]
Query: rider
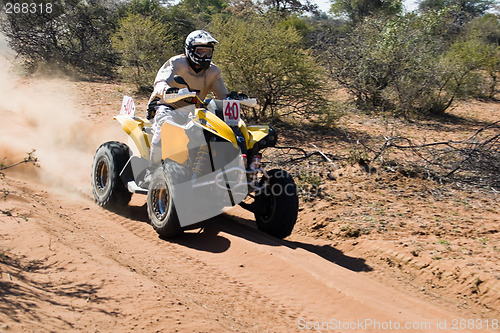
[[197, 69]]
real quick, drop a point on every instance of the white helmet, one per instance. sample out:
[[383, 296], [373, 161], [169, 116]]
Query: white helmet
[[199, 48]]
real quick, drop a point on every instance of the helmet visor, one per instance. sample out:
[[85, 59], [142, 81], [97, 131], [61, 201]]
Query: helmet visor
[[204, 51]]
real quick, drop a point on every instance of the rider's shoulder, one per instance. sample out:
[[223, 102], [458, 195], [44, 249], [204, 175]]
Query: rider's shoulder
[[214, 69], [175, 61], [178, 59]]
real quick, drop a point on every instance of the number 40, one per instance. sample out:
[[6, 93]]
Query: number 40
[[232, 110]]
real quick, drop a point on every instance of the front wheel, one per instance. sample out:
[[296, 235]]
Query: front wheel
[[279, 204], [160, 201]]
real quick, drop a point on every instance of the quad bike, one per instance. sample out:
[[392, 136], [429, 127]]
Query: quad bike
[[210, 162]]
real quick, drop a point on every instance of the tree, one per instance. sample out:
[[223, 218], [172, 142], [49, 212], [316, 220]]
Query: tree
[[477, 53], [290, 7], [149, 8], [243, 8], [406, 66], [202, 10], [266, 60], [468, 61], [356, 10], [73, 34], [486, 29], [283, 8], [144, 46], [471, 8]]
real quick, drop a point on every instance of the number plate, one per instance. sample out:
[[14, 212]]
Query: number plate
[[128, 106], [231, 112]]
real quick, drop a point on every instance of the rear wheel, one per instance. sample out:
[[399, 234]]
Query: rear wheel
[[108, 189], [279, 204], [160, 202]]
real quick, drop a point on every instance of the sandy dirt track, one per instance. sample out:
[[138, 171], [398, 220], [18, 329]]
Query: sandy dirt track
[[75, 266], [66, 264]]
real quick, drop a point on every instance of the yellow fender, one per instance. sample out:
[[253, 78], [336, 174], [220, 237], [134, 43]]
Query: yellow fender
[[214, 124], [247, 135], [256, 134], [134, 128], [174, 143]]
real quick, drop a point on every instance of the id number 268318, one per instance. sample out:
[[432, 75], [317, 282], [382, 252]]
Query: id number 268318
[[28, 8]]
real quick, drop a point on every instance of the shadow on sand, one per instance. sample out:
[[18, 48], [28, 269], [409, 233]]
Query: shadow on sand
[[206, 236]]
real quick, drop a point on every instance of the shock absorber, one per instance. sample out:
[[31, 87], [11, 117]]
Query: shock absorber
[[202, 158], [256, 162], [252, 172]]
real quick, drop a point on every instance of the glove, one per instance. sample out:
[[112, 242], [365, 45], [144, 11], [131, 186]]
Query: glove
[[169, 91], [172, 90], [236, 95]]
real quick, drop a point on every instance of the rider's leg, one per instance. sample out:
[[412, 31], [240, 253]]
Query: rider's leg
[[163, 113]]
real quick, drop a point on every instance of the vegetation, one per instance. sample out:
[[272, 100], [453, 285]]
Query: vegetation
[[29, 159], [284, 52], [407, 66], [471, 8], [72, 35], [143, 46], [357, 10], [268, 59]]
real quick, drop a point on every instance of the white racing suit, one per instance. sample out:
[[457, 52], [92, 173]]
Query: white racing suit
[[201, 82]]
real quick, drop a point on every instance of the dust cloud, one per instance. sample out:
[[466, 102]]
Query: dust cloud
[[43, 115]]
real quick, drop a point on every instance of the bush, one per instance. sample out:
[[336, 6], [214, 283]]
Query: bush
[[267, 60], [466, 62], [144, 47], [470, 8], [383, 65], [486, 31], [357, 10], [407, 65], [74, 35]]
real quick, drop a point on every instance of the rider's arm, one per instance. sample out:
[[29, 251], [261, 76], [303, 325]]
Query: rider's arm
[[165, 79], [161, 84], [218, 87]]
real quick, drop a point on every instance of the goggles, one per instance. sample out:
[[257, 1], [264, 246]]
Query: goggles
[[204, 51]]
